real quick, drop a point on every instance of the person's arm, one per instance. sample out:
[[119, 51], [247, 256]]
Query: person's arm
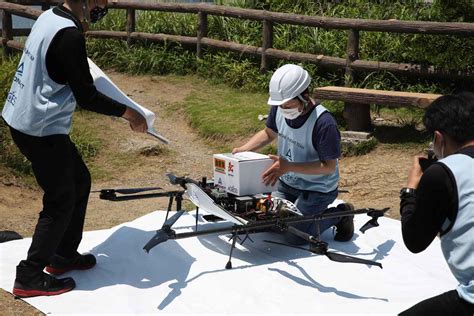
[[281, 166], [70, 50], [259, 140], [423, 213], [313, 167]]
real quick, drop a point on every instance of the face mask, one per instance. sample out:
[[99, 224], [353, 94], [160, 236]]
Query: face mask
[[290, 114], [97, 13], [439, 155]]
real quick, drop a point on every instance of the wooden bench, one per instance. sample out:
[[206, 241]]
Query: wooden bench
[[357, 102]]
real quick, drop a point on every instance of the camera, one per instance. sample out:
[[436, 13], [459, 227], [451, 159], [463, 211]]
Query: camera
[[426, 162]]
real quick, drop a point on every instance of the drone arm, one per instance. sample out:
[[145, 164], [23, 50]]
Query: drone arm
[[112, 196], [300, 234]]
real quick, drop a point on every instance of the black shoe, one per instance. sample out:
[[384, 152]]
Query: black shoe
[[345, 227], [60, 265], [42, 285]]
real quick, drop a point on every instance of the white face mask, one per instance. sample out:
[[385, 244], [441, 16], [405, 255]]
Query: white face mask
[[290, 114], [439, 155]]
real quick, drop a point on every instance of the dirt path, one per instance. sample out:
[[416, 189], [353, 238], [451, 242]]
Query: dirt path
[[373, 180]]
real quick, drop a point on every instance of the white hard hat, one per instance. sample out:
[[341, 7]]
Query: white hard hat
[[288, 82]]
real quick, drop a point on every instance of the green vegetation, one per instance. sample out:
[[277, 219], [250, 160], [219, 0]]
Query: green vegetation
[[241, 71], [218, 112], [357, 149]]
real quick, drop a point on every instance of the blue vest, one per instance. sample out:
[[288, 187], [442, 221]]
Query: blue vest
[[458, 242], [36, 105], [296, 145]]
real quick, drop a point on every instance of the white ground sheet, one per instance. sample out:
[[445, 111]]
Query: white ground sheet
[[188, 275]]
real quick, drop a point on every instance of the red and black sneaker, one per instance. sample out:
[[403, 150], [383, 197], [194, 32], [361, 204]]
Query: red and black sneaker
[[42, 285], [60, 265]]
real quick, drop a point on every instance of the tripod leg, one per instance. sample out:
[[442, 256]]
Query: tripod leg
[[229, 263]]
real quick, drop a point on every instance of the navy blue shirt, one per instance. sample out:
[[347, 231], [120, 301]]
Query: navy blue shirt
[[326, 136]]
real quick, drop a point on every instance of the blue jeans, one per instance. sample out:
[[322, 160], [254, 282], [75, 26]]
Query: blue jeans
[[309, 203]]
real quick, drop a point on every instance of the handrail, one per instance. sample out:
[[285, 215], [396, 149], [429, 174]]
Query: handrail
[[392, 26]]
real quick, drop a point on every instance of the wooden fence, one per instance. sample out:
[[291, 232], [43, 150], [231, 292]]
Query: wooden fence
[[351, 64]]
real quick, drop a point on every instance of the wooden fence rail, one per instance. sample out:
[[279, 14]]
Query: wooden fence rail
[[351, 64]]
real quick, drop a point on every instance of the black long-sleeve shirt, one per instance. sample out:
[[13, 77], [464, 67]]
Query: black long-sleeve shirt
[[66, 63], [436, 200]]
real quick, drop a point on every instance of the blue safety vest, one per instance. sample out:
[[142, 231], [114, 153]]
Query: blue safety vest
[[36, 105], [457, 238], [296, 145]]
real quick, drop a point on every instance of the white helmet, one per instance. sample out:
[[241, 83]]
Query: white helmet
[[288, 82]]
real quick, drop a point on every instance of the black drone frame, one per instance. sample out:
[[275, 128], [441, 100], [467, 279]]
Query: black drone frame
[[284, 224]]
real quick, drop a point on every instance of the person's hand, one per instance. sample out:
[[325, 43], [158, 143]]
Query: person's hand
[[237, 150], [279, 167], [136, 120], [415, 173]]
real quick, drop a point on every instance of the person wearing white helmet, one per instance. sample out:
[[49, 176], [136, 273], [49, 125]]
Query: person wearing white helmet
[[306, 166]]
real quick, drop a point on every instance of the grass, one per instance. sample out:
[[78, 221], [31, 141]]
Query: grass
[[220, 113]]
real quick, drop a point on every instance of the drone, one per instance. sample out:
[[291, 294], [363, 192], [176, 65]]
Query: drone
[[246, 215]]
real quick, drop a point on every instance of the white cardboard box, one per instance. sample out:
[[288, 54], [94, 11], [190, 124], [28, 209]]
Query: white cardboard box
[[241, 174]]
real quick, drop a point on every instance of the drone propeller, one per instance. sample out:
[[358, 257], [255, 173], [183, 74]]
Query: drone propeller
[[126, 191], [164, 233], [160, 236], [170, 221], [321, 248], [375, 214]]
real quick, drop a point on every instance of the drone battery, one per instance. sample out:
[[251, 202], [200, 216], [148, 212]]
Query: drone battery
[[244, 204], [241, 174]]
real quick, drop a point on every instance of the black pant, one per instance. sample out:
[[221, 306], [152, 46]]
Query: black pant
[[66, 182], [446, 304]]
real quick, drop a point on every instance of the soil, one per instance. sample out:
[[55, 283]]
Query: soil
[[373, 180]]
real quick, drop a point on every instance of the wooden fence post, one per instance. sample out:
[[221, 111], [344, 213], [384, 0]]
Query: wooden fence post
[[7, 31], [201, 32], [357, 115], [267, 42], [131, 23]]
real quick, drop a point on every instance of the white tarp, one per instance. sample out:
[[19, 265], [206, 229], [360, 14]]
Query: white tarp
[[188, 275]]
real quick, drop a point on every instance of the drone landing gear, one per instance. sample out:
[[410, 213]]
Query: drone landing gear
[[179, 201], [197, 216], [229, 263]]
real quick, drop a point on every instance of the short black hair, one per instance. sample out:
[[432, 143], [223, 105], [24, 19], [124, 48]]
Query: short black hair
[[452, 115]]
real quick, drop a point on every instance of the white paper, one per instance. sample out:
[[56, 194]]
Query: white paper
[[108, 88]]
